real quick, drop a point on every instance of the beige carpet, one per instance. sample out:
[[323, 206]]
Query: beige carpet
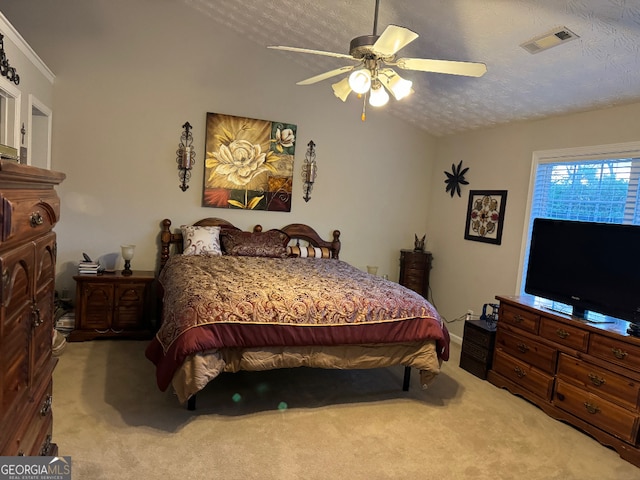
[[112, 420]]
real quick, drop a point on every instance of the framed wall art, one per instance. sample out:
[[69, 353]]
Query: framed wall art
[[248, 163], [485, 216]]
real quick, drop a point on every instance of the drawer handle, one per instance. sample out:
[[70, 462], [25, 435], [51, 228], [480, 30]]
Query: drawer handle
[[37, 319], [103, 331], [519, 372], [46, 447], [523, 348], [592, 409], [46, 406], [596, 380], [619, 354], [36, 219], [518, 318], [562, 333]]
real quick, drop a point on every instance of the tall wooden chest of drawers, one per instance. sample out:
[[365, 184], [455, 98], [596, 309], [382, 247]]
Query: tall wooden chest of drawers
[[414, 270], [586, 374], [29, 208]]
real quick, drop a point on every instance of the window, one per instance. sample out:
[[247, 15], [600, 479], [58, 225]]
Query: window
[[596, 184]]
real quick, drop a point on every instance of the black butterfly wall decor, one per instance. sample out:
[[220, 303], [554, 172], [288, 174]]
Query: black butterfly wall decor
[[455, 179]]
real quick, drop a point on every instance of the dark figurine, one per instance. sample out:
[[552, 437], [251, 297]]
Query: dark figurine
[[419, 243]]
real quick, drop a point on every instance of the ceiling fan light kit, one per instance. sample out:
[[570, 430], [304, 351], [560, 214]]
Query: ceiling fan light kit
[[373, 55]]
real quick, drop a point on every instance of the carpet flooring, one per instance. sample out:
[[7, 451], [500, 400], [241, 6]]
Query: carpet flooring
[[112, 420]]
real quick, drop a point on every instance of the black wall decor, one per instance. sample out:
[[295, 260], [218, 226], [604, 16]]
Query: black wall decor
[[5, 69]]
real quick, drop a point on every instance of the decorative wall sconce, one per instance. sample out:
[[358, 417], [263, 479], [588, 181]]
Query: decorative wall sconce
[[7, 70], [309, 170], [185, 156], [127, 254]]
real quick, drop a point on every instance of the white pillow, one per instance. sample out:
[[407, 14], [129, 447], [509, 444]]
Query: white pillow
[[200, 240]]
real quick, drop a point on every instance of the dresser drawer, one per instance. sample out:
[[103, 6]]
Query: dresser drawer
[[523, 319], [613, 387], [520, 373], [567, 335], [35, 425], [478, 335], [417, 260], [614, 351], [527, 350], [597, 411], [476, 351], [27, 214]]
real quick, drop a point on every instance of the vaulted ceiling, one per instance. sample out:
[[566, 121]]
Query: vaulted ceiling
[[599, 69]]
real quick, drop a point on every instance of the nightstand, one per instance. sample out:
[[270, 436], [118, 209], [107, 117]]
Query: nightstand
[[477, 347], [414, 270], [113, 305]]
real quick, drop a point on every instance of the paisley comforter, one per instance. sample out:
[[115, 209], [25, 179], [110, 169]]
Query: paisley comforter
[[234, 302]]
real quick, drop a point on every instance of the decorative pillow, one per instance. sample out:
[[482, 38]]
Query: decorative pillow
[[200, 240], [272, 243], [317, 252]]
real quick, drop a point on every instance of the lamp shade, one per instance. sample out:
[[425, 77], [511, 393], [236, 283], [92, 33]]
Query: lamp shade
[[378, 96], [360, 80], [342, 89], [400, 87], [127, 251]]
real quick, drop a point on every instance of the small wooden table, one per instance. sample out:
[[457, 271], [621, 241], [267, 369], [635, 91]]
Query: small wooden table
[[112, 305]]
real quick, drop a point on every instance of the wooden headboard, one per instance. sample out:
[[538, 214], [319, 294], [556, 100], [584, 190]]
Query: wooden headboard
[[172, 242]]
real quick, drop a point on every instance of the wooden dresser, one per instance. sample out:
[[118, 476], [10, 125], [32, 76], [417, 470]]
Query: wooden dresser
[[587, 374], [29, 209], [414, 270]]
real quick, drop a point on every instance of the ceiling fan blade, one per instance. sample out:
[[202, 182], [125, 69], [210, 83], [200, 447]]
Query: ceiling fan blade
[[325, 75], [468, 69], [314, 52], [342, 89], [393, 39]]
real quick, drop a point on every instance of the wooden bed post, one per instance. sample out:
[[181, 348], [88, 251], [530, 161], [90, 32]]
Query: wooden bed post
[[335, 244], [165, 242]]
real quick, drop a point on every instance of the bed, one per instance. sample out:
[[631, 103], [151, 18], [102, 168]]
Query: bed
[[235, 300]]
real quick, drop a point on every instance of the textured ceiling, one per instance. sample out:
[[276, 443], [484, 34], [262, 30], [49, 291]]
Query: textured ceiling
[[599, 69]]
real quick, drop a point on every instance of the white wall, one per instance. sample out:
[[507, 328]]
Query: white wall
[[468, 274], [129, 74]]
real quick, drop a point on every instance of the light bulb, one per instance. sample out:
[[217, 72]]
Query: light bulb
[[378, 96], [360, 80]]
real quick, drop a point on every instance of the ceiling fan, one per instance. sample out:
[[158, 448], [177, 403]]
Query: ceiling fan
[[373, 56]]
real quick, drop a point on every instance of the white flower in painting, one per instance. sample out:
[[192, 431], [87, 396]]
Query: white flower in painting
[[284, 138], [239, 162]]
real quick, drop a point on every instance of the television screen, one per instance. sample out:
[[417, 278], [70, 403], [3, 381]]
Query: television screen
[[590, 266]]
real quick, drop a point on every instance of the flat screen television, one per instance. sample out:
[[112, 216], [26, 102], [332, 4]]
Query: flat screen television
[[589, 266]]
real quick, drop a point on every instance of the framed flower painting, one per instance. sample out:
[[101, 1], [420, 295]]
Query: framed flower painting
[[248, 163], [485, 216]]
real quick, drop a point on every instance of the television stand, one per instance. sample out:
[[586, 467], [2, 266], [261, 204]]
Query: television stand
[[587, 375]]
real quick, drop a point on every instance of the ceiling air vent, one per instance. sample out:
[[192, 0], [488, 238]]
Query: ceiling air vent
[[550, 39]]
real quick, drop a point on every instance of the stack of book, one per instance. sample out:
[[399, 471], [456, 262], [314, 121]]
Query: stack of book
[[88, 268]]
